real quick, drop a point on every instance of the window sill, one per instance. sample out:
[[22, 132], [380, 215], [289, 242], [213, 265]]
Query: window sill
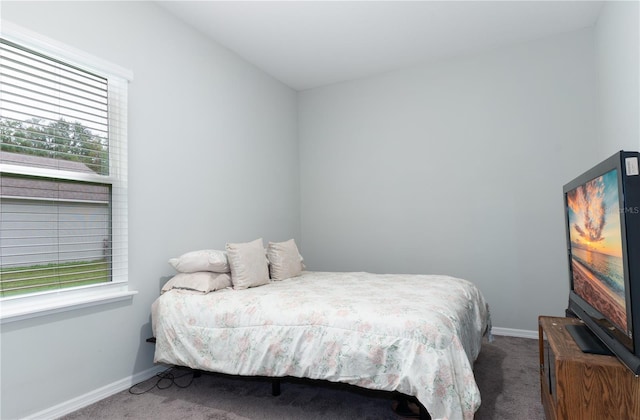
[[25, 307]]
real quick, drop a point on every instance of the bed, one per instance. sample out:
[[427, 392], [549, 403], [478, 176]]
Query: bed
[[415, 334]]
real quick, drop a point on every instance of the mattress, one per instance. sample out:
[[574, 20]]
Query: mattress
[[415, 334]]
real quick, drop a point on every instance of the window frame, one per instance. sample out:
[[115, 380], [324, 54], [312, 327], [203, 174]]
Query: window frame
[[30, 305]]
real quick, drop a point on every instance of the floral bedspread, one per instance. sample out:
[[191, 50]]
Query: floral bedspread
[[416, 334]]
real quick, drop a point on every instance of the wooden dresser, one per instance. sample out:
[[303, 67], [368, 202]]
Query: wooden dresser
[[580, 386]]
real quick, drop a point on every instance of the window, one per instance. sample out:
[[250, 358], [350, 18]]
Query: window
[[63, 172]]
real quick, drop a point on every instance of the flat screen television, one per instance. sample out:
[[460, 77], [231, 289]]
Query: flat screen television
[[602, 214]]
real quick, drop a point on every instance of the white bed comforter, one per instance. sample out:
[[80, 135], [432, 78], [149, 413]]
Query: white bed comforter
[[416, 334]]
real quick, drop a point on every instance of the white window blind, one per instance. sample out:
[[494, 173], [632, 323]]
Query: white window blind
[[63, 171]]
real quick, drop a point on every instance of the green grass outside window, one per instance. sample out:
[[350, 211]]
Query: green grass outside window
[[39, 278]]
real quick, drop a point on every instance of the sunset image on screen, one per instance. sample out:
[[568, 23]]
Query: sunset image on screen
[[596, 246]]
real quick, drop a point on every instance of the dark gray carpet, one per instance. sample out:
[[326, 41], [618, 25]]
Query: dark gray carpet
[[506, 373]]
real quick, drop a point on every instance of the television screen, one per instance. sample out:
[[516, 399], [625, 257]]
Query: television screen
[[602, 215], [595, 235]]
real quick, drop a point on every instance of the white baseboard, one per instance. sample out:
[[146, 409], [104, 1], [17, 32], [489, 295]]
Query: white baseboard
[[96, 395], [511, 332]]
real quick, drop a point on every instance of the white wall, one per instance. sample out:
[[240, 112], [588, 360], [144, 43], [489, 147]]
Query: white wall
[[456, 168], [617, 50], [212, 158]]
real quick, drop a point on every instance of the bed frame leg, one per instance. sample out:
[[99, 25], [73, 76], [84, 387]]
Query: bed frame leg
[[424, 414], [402, 408], [275, 387]]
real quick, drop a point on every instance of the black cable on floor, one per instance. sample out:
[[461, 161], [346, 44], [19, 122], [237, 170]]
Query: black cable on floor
[[164, 380]]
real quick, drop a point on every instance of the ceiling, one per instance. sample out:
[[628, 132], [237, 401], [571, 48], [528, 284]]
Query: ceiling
[[307, 44]]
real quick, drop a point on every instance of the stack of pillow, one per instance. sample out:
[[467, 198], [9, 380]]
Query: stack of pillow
[[242, 265], [203, 271]]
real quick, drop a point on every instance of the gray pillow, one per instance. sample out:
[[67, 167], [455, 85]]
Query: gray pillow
[[285, 260], [202, 281], [202, 260], [248, 264]]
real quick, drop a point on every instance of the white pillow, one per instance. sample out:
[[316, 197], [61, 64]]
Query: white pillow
[[248, 264], [285, 260], [202, 281], [202, 260]]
